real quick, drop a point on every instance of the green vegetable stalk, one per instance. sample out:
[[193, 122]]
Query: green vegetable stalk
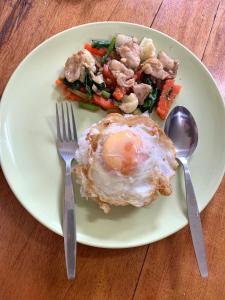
[[106, 94], [152, 98], [88, 106], [109, 50], [88, 83], [82, 95], [100, 43]]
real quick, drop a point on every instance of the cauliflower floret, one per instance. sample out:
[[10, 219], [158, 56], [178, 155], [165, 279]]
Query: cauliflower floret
[[129, 103], [147, 49]]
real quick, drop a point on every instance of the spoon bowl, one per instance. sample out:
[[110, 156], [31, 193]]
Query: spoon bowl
[[181, 128]]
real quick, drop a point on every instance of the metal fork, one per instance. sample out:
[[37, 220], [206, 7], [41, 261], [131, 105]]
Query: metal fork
[[66, 145]]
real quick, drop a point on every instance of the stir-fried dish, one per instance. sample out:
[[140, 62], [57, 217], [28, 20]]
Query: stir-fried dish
[[121, 75]]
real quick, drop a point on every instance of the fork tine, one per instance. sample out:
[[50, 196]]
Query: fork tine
[[68, 122], [58, 123], [64, 125], [73, 124]]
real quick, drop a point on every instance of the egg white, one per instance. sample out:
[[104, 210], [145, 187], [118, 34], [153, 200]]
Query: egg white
[[119, 189]]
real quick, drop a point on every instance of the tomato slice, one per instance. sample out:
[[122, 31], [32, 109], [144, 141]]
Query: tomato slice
[[169, 92]]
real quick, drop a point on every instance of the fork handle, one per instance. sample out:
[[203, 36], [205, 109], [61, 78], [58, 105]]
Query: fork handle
[[69, 227]]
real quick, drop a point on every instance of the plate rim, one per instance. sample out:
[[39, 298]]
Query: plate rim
[[95, 242]]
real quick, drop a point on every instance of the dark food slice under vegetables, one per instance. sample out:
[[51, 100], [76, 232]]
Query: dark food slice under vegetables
[[76, 85]]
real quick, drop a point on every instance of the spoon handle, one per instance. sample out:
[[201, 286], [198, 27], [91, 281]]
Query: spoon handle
[[195, 222]]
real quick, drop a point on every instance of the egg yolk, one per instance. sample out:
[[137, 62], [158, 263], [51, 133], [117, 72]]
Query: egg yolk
[[120, 151]]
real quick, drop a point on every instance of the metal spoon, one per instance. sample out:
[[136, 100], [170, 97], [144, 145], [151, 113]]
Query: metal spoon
[[181, 128]]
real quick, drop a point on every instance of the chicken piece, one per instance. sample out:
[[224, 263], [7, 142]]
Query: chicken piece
[[154, 67], [123, 75], [163, 67], [170, 65], [88, 60], [82, 73], [129, 103], [123, 81], [72, 68], [76, 64], [130, 54], [122, 39], [142, 90]]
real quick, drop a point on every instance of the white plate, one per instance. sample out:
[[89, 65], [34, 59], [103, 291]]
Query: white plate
[[35, 173]]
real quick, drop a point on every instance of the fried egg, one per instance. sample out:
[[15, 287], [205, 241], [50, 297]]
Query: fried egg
[[125, 160]]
